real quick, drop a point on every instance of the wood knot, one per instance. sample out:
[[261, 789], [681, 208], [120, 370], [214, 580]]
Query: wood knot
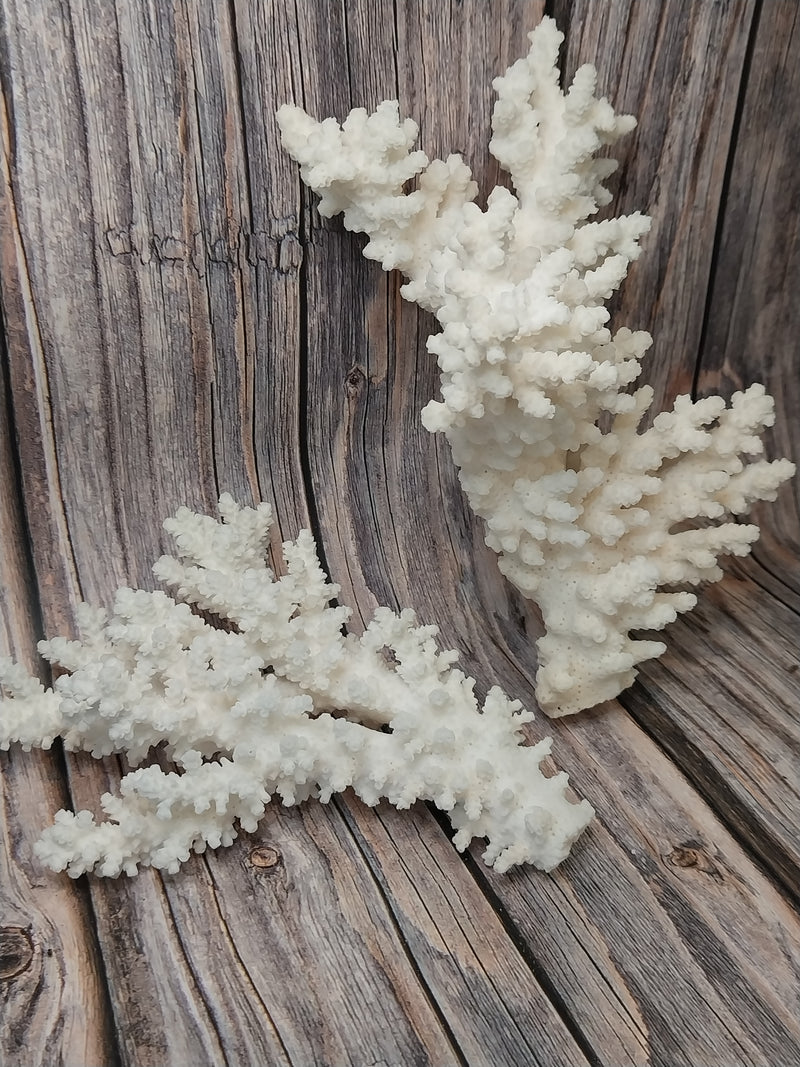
[[690, 856], [683, 856], [354, 382], [16, 951], [265, 856]]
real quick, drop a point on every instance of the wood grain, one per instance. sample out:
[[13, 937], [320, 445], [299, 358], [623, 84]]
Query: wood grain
[[751, 333], [180, 322], [51, 981], [660, 917], [724, 699]]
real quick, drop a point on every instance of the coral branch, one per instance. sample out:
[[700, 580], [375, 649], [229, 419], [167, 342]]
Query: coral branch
[[284, 705], [583, 519]]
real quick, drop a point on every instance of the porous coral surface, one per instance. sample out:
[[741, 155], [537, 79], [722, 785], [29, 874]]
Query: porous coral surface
[[281, 704], [601, 526]]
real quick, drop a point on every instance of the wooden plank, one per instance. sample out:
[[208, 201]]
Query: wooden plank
[[723, 703], [51, 972], [493, 999], [485, 998], [751, 330], [752, 325], [667, 944], [724, 699], [80, 381]]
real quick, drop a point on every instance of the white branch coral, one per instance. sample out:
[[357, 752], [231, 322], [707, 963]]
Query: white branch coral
[[285, 704], [586, 521]]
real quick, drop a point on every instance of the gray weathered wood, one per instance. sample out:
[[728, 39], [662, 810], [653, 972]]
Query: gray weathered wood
[[51, 986], [660, 918], [180, 322], [724, 700]]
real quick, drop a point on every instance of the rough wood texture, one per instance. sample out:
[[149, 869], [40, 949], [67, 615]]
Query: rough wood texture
[[178, 321]]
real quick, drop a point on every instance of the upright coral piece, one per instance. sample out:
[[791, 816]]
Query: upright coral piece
[[284, 704], [590, 522]]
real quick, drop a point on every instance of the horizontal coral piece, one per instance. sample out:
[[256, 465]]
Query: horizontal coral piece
[[281, 704]]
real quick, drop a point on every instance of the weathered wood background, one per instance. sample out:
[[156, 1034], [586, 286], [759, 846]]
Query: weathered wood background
[[178, 321]]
